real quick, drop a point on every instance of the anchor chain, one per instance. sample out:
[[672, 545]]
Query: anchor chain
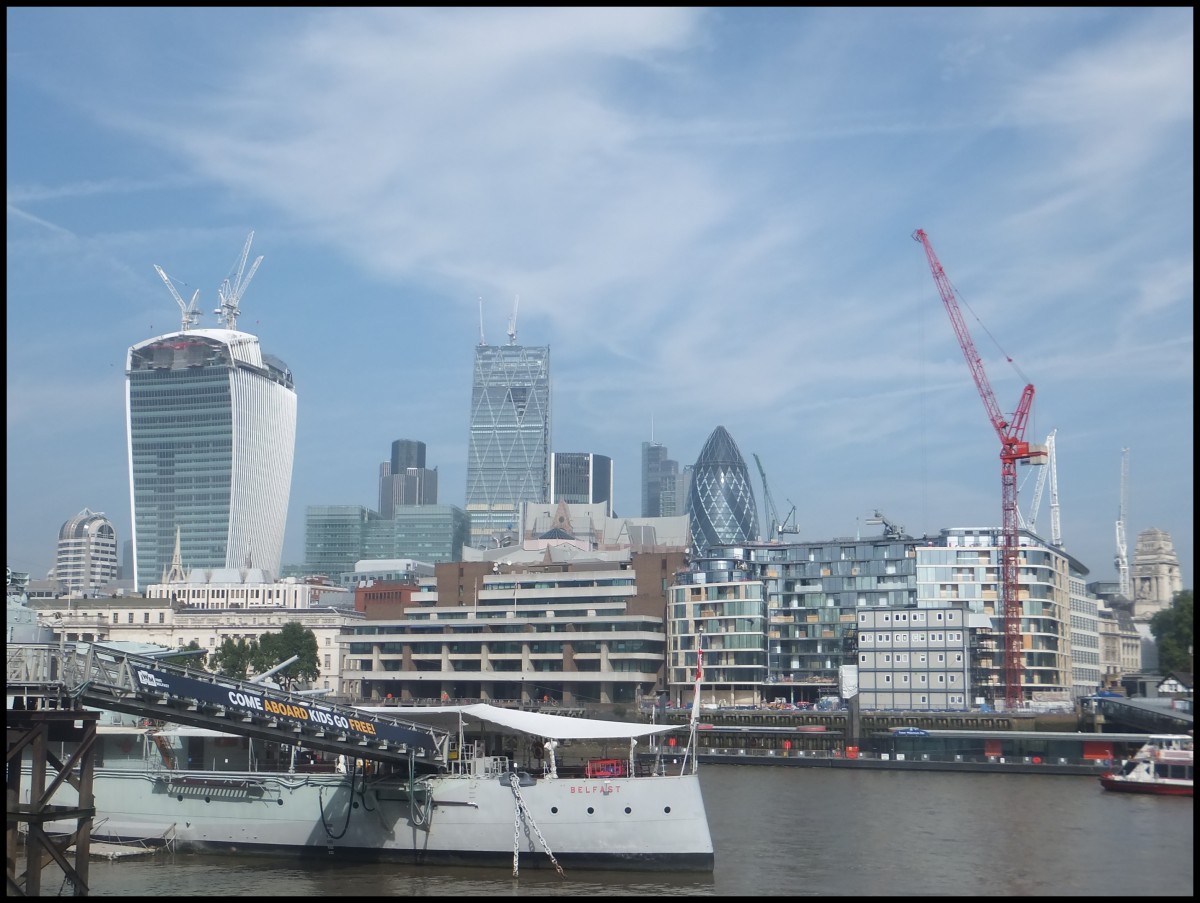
[[521, 808]]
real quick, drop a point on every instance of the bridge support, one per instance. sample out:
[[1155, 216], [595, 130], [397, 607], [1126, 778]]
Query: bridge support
[[32, 732]]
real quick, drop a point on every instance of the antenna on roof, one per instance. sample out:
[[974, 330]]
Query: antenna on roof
[[230, 292], [481, 340], [512, 322]]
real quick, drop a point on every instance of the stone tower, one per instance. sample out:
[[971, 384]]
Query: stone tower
[[1156, 575]]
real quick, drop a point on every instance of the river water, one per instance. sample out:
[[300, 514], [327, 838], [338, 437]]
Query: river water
[[797, 831]]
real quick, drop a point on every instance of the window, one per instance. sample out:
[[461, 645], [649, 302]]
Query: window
[[162, 617], [130, 619]]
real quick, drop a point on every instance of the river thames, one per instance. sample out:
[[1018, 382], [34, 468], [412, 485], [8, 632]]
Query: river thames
[[779, 830]]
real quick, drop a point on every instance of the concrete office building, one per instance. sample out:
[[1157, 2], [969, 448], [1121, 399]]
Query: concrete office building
[[86, 558]]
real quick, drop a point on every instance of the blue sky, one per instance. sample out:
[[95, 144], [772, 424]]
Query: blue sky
[[707, 214]]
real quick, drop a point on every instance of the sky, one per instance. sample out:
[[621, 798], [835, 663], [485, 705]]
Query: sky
[[706, 214]]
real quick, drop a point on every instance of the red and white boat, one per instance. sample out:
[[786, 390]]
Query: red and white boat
[[1163, 766]]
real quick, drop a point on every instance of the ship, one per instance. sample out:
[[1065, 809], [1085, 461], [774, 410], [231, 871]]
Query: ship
[[1163, 766], [506, 787]]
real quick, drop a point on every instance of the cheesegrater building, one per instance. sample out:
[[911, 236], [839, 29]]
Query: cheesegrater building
[[508, 452], [211, 430]]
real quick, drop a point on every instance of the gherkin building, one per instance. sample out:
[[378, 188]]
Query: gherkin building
[[721, 507]]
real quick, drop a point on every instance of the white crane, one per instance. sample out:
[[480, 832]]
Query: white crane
[[512, 322], [189, 312], [1039, 487], [1122, 559], [231, 290], [1055, 525]]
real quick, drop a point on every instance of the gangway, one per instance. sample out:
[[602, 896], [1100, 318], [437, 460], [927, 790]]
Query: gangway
[[74, 675]]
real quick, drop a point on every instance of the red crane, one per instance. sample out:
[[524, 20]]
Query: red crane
[[1013, 448]]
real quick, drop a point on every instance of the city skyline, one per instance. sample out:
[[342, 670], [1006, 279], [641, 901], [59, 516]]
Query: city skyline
[[705, 214]]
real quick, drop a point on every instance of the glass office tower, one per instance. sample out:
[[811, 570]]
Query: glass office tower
[[508, 453], [721, 506], [211, 429], [582, 478]]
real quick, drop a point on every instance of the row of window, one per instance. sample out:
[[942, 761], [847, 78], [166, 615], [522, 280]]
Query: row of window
[[866, 658], [868, 638], [951, 678]]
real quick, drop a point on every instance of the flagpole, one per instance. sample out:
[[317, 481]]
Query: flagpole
[[691, 747]]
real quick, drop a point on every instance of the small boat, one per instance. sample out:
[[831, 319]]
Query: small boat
[[1163, 766]]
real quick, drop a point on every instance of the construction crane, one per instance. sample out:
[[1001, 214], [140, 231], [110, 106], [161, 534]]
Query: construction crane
[[234, 286], [890, 530], [190, 315], [1052, 466], [1124, 582], [789, 522], [512, 322], [1038, 490], [1013, 448], [772, 516]]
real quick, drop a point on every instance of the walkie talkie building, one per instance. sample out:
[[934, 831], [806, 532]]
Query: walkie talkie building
[[211, 429]]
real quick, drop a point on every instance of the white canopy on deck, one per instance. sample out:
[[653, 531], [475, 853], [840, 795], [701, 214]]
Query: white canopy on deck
[[540, 724]]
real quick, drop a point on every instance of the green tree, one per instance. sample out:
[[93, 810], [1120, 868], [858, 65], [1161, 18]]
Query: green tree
[[234, 657], [292, 639], [1172, 629]]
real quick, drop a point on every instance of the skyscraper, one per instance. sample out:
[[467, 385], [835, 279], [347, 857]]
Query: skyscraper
[[721, 506], [86, 558], [582, 478], [404, 480], [664, 490], [211, 429], [508, 453]]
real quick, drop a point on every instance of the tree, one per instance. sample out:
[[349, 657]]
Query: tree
[[1172, 629], [234, 657], [292, 639]]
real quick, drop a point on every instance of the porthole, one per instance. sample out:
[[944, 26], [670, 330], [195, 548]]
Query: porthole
[[627, 810], [554, 810], [280, 802], [667, 809], [591, 811], [180, 797]]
